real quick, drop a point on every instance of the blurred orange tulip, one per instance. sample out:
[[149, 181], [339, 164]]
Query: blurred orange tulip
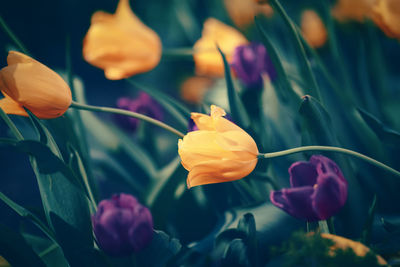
[[352, 9], [344, 243], [313, 29], [194, 88], [28, 83], [220, 151], [386, 14], [242, 12], [207, 59], [121, 44]]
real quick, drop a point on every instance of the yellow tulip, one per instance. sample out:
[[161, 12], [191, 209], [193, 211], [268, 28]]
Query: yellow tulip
[[313, 29], [353, 9], [344, 243], [386, 14], [207, 59], [28, 83], [121, 44], [220, 151], [242, 12]]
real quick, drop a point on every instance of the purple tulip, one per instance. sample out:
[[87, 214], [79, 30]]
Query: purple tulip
[[250, 62], [318, 190], [143, 104], [122, 225]]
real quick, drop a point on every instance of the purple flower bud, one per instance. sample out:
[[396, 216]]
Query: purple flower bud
[[143, 104], [318, 190], [250, 61], [122, 225]]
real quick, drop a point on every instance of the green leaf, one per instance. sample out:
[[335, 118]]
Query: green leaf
[[238, 112], [16, 250], [248, 224], [317, 125], [161, 249], [21, 211], [284, 88], [386, 134], [305, 67], [48, 251]]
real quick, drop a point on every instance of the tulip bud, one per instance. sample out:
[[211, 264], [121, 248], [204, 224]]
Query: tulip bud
[[219, 151], [143, 104], [243, 12], [313, 29], [122, 225], [121, 44], [250, 62], [27, 83], [208, 60]]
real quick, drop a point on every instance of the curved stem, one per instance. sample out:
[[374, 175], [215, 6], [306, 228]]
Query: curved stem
[[127, 113], [332, 149]]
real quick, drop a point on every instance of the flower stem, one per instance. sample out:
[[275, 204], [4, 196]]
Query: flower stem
[[127, 113], [323, 226], [332, 149]]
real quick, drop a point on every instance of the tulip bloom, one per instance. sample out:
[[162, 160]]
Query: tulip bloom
[[343, 243], [243, 12], [28, 83], [194, 88], [208, 60], [219, 151], [122, 225], [121, 44], [318, 190], [250, 62], [357, 10], [386, 14], [313, 29], [143, 104]]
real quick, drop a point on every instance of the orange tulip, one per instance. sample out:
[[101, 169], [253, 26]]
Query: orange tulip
[[352, 9], [28, 83], [313, 29], [194, 88], [121, 44], [386, 14], [218, 152], [344, 243], [207, 59], [242, 12]]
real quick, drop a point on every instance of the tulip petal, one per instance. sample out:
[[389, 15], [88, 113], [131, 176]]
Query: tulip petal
[[15, 57], [238, 141], [203, 121], [9, 106], [330, 195], [326, 165], [219, 171], [302, 173], [295, 201]]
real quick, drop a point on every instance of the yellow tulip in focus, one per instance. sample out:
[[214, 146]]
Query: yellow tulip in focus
[[344, 243], [207, 59], [28, 83], [219, 151], [386, 14], [313, 29], [242, 12], [121, 44], [352, 9]]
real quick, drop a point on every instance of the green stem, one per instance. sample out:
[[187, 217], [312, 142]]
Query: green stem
[[13, 36], [127, 113], [332, 149], [323, 226]]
